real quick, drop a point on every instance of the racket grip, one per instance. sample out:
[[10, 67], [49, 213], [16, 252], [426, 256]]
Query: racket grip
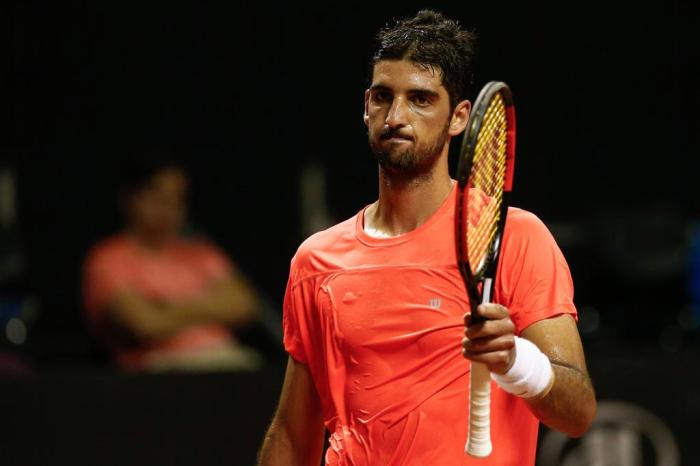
[[479, 438]]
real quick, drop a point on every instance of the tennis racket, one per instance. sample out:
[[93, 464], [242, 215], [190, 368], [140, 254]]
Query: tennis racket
[[485, 179]]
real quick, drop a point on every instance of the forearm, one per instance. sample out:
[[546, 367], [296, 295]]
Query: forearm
[[295, 437], [546, 366], [570, 405], [228, 302], [172, 318], [148, 321], [278, 449]]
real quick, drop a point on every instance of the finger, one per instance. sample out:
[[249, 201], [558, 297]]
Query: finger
[[472, 319], [490, 328], [492, 311], [497, 361], [488, 345], [467, 319], [484, 312]]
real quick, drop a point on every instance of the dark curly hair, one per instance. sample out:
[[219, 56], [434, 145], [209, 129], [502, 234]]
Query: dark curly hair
[[431, 40]]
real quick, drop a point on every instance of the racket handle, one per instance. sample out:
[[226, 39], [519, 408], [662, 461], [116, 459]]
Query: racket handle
[[479, 438]]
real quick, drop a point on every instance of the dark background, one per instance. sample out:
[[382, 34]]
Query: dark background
[[254, 91]]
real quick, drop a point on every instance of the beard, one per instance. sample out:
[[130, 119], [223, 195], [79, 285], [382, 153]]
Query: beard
[[410, 162]]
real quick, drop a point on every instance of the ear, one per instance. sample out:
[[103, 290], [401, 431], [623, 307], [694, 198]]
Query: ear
[[365, 116], [460, 117]]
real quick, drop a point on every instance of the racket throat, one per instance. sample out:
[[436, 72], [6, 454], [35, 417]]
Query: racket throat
[[486, 290], [483, 297]]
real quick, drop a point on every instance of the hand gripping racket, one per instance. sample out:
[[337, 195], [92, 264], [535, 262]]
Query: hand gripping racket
[[485, 179]]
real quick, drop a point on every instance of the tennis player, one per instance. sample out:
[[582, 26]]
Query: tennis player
[[376, 317]]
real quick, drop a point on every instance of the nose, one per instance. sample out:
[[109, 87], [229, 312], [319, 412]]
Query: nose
[[396, 117]]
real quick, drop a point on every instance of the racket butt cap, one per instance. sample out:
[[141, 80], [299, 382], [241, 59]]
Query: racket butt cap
[[478, 449]]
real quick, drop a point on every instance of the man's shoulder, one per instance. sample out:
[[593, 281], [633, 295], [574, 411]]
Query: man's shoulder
[[328, 239], [323, 249], [108, 248], [526, 231], [522, 221], [109, 256]]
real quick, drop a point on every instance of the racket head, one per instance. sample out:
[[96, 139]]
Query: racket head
[[485, 180]]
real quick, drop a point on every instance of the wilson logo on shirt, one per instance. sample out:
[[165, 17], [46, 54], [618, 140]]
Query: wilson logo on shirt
[[435, 303]]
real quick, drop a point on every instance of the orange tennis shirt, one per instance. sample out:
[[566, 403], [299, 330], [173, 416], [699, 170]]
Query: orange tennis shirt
[[379, 323]]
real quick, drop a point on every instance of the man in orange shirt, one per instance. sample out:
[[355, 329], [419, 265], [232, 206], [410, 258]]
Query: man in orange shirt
[[158, 300], [375, 308]]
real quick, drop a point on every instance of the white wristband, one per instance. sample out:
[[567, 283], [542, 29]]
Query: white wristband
[[531, 375]]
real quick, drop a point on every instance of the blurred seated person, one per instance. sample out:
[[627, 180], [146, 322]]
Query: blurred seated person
[[158, 300]]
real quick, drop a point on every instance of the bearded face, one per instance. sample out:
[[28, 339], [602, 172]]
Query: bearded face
[[407, 113], [397, 152]]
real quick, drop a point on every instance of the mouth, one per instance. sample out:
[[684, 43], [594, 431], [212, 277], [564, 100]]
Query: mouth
[[394, 135], [396, 139]]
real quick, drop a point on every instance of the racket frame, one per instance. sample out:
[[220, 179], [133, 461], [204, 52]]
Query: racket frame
[[472, 280], [479, 438]]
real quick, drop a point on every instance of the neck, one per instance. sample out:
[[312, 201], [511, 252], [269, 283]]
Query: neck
[[405, 203], [147, 240]]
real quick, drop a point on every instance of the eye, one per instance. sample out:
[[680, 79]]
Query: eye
[[382, 96], [420, 100]]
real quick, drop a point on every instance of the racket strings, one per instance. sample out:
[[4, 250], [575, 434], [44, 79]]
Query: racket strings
[[486, 182]]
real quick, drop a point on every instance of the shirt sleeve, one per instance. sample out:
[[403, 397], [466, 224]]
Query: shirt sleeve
[[534, 279], [292, 331], [104, 277]]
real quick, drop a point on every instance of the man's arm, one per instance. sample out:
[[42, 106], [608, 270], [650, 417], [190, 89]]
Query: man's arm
[[228, 302], [570, 404], [134, 319], [231, 301], [295, 436]]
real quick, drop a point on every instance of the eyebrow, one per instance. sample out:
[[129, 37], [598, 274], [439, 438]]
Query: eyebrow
[[428, 92]]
